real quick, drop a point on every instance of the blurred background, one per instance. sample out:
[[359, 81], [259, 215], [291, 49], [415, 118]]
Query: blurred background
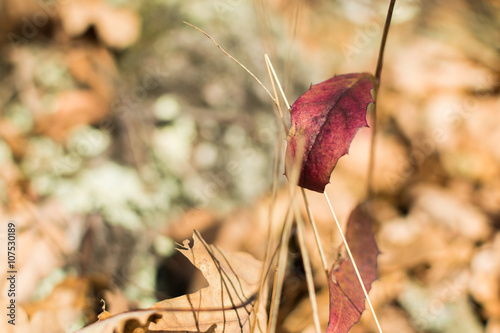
[[122, 129]]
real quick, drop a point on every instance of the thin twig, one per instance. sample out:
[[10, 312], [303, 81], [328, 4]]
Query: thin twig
[[353, 263], [306, 203], [283, 255], [380, 60], [315, 231], [267, 257], [307, 268], [280, 274], [277, 81], [232, 58], [378, 72], [270, 70]]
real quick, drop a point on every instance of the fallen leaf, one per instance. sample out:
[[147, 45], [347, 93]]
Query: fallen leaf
[[94, 66], [226, 305], [42, 229], [484, 284], [347, 300], [408, 243], [116, 27], [73, 108], [62, 307], [444, 207], [13, 137], [116, 301], [46, 321], [199, 219], [300, 320], [324, 121], [126, 322]]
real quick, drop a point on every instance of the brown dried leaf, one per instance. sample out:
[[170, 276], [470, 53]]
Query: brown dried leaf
[[13, 138], [233, 280], [63, 306], [94, 67], [72, 109], [116, 301], [117, 27], [127, 322]]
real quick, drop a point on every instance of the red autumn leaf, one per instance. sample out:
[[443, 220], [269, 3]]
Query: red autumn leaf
[[324, 121], [347, 300]]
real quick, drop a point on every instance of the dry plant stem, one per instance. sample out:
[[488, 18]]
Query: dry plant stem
[[280, 274], [273, 296], [380, 59], [378, 72], [280, 112], [283, 254], [277, 81], [307, 268], [279, 277], [267, 260], [287, 227], [232, 58], [300, 231], [309, 213], [316, 235], [353, 263]]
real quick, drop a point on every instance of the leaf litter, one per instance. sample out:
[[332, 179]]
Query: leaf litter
[[424, 250]]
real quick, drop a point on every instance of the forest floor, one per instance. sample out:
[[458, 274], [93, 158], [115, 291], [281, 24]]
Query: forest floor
[[122, 129]]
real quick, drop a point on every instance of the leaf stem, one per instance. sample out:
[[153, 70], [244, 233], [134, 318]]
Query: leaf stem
[[353, 263], [382, 43], [378, 72]]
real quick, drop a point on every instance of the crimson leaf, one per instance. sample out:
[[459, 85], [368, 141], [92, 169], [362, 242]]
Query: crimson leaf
[[347, 300], [324, 121]]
